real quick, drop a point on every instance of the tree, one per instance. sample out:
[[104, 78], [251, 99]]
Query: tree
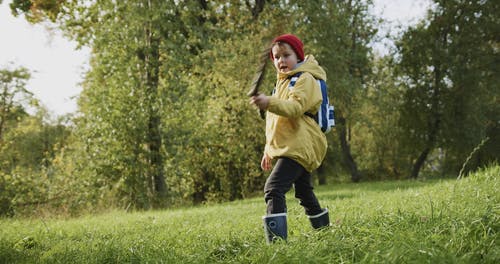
[[13, 93], [122, 100], [339, 32], [377, 129], [446, 65], [28, 145]]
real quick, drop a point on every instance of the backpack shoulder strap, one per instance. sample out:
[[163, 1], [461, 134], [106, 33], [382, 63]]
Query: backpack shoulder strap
[[293, 79]]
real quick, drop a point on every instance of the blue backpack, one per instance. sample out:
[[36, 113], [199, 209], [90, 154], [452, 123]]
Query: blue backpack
[[325, 117]]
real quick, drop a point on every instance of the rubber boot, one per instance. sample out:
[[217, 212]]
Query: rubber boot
[[275, 227], [320, 220]]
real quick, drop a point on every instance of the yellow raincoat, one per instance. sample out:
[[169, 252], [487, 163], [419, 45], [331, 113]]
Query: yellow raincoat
[[289, 132]]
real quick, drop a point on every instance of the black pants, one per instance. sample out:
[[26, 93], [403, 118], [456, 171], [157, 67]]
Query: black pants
[[285, 173]]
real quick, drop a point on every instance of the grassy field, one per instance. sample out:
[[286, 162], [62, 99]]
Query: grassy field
[[446, 221]]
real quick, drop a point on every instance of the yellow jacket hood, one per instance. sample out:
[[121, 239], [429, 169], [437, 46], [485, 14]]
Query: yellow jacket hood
[[308, 65]]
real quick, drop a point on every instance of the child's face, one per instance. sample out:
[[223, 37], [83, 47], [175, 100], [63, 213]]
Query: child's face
[[285, 58]]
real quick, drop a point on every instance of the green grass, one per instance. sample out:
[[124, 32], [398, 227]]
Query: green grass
[[444, 221]]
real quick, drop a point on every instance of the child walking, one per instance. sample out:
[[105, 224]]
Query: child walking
[[294, 141]]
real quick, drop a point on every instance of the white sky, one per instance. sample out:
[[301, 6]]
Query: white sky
[[57, 68], [55, 65]]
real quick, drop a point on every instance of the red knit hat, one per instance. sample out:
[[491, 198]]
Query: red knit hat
[[294, 42]]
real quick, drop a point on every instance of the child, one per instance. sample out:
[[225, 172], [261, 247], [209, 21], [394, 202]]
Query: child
[[293, 139]]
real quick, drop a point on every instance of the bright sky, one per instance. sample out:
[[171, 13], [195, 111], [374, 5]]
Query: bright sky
[[55, 65], [57, 68]]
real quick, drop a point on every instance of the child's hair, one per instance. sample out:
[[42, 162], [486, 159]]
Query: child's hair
[[293, 41]]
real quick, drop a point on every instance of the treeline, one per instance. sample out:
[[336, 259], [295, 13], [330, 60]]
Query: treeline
[[163, 117]]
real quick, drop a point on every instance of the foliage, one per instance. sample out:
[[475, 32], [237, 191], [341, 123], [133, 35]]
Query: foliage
[[13, 94], [28, 143], [389, 222], [27, 173], [446, 65], [377, 127], [221, 162], [37, 10]]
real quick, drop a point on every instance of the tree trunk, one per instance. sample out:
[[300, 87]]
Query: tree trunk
[[154, 141], [156, 159], [343, 133], [435, 118], [321, 175], [5, 107], [2, 122], [257, 8], [419, 163], [346, 149]]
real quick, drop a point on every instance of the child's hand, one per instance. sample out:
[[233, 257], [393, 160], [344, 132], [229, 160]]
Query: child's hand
[[266, 163], [260, 100]]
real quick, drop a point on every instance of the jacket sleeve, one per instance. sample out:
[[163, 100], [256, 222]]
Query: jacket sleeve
[[304, 97]]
